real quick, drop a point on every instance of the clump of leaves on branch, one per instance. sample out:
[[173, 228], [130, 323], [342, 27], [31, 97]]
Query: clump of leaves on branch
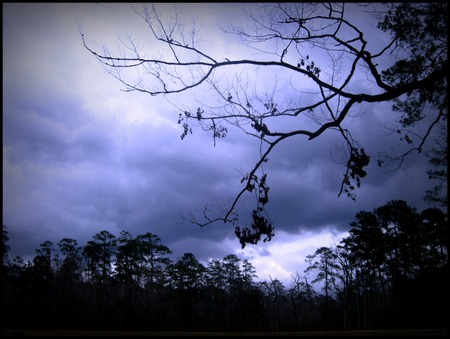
[[409, 70]]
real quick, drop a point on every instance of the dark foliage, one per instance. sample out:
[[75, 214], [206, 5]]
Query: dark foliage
[[391, 272]]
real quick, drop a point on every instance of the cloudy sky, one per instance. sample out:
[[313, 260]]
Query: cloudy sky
[[81, 156]]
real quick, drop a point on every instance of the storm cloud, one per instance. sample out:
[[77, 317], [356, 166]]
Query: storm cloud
[[81, 156]]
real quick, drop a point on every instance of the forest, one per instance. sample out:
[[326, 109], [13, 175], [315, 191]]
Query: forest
[[391, 272]]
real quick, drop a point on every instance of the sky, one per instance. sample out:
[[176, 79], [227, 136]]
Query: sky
[[81, 156]]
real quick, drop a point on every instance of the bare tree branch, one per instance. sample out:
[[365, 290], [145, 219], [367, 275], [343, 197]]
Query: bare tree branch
[[287, 34]]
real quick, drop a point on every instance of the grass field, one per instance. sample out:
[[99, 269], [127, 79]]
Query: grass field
[[387, 333]]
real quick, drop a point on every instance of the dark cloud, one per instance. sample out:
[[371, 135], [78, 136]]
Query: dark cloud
[[79, 156]]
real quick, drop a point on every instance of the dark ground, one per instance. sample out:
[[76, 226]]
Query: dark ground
[[61, 333]]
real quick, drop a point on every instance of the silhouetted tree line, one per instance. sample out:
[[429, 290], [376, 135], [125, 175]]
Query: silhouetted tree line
[[391, 272]]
